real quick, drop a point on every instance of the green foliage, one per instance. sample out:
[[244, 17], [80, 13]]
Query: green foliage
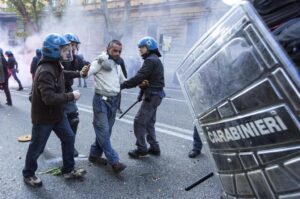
[[32, 7]]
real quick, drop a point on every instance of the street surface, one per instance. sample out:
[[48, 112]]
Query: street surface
[[149, 177]]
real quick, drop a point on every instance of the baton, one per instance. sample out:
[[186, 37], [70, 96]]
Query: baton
[[129, 108], [199, 181]]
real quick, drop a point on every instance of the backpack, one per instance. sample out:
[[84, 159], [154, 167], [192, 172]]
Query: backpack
[[276, 12], [288, 35]]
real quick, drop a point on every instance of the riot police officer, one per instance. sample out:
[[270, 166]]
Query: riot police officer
[[152, 70], [5, 76], [76, 65], [13, 67], [47, 114]]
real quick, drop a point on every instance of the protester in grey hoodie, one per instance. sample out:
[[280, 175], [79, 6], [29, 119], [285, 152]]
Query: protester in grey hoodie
[[108, 76]]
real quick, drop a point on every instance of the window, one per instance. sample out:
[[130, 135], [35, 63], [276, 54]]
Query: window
[[89, 1], [152, 30], [192, 32]]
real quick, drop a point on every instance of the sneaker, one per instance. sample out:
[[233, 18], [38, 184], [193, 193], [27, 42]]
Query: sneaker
[[75, 174], [152, 151], [194, 153], [21, 88], [136, 153], [120, 111], [118, 167], [8, 103], [98, 160], [33, 181]]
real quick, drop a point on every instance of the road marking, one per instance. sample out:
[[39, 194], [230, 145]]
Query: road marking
[[159, 127], [165, 98], [186, 137], [131, 93], [186, 131]]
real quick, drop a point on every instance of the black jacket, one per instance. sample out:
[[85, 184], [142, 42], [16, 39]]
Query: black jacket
[[48, 93], [75, 65], [12, 63], [4, 65], [34, 64], [151, 70]]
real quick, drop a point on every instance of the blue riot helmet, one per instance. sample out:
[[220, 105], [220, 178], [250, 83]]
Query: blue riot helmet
[[74, 42], [72, 38], [38, 52], [56, 46], [150, 43], [8, 53]]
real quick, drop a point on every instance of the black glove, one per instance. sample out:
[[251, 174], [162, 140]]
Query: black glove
[[140, 96]]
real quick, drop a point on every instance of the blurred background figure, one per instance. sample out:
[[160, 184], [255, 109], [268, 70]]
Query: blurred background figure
[[35, 60], [197, 144], [12, 65], [4, 78]]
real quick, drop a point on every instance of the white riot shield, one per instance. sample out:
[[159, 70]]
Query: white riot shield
[[243, 91]]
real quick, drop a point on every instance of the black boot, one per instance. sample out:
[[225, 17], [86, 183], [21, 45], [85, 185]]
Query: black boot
[[137, 153]]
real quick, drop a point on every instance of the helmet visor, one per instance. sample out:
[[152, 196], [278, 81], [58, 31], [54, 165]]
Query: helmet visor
[[66, 53], [75, 48]]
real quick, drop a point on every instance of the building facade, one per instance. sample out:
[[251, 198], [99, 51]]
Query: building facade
[[176, 24]]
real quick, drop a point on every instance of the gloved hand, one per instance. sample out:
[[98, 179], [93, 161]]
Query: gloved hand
[[84, 71], [144, 84], [76, 94], [140, 96]]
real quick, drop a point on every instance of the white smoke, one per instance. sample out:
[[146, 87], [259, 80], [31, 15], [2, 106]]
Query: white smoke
[[91, 30]]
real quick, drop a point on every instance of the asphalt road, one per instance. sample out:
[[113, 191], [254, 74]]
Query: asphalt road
[[149, 177]]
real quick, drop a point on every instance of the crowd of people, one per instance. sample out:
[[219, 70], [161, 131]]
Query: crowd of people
[[53, 101]]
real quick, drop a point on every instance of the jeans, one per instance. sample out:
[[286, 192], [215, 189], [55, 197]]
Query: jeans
[[104, 119], [7, 92], [40, 135], [14, 74], [144, 122], [197, 143]]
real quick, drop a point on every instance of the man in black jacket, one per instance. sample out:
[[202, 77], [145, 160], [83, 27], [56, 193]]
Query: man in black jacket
[[12, 65], [4, 81], [47, 110], [153, 71], [76, 64]]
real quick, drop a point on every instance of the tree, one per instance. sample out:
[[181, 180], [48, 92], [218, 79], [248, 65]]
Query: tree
[[116, 30], [30, 12]]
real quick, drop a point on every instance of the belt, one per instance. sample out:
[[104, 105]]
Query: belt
[[105, 98]]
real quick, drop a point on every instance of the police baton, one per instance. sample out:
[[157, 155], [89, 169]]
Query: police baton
[[129, 108], [199, 181]]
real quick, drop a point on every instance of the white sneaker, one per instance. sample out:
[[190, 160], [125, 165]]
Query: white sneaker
[[75, 173], [33, 181]]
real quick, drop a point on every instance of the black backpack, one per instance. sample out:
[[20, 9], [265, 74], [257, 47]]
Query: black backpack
[[288, 35], [276, 12]]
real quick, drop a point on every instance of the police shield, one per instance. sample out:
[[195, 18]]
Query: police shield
[[243, 91]]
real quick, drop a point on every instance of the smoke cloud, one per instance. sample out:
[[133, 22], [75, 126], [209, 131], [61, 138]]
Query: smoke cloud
[[92, 32]]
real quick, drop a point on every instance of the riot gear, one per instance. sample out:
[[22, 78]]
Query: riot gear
[[52, 47], [243, 91]]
